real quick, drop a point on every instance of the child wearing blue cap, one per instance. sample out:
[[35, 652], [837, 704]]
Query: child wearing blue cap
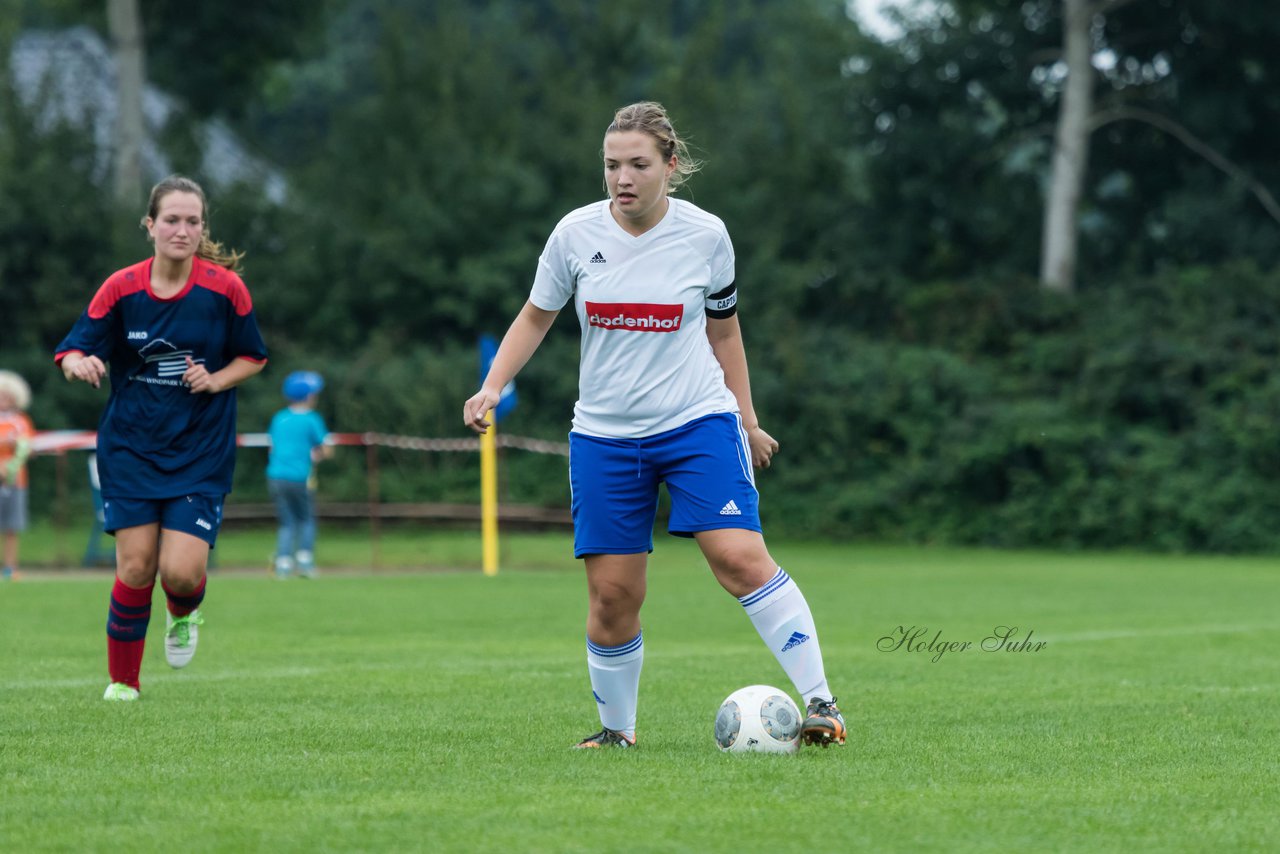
[[298, 440]]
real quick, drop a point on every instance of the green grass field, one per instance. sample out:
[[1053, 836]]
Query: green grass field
[[433, 711]]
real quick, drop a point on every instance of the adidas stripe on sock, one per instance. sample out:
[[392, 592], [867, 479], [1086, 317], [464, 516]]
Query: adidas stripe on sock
[[615, 682], [781, 615]]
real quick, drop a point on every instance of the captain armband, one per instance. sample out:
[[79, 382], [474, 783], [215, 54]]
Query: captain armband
[[723, 303]]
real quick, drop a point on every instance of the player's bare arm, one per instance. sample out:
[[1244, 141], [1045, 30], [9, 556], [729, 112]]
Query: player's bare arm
[[89, 369], [201, 381], [725, 336], [517, 347]]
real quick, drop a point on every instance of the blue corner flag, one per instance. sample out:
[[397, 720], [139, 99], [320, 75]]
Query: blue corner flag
[[507, 401]]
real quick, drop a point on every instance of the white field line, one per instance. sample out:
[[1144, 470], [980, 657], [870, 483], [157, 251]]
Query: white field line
[[164, 676], [1230, 689]]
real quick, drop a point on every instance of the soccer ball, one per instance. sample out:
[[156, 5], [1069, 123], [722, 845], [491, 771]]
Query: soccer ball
[[758, 719]]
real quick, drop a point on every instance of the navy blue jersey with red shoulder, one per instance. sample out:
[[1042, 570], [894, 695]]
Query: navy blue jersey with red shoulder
[[155, 438]]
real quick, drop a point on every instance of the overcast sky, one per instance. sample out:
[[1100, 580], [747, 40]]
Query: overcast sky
[[868, 14]]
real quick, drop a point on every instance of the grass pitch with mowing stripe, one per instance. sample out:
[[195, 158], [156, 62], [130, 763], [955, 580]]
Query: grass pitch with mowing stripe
[[435, 712]]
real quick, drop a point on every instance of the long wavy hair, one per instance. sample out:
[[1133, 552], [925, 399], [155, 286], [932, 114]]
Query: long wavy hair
[[208, 249]]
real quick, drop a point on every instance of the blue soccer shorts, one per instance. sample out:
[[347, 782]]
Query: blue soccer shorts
[[197, 515], [706, 465]]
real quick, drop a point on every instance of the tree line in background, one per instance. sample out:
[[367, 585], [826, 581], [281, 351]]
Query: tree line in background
[[927, 377]]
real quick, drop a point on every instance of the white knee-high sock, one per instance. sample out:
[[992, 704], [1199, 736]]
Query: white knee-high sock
[[615, 681], [781, 615]]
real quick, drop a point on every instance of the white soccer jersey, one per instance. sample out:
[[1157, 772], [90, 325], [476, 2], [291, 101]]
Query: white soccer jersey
[[647, 366]]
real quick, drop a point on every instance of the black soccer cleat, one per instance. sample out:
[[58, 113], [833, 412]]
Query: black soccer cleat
[[823, 723], [605, 738]]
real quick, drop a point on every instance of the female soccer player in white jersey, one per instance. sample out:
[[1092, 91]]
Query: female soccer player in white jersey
[[177, 334], [663, 397]]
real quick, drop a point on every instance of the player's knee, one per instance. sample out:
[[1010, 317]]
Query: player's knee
[[136, 570], [745, 560], [615, 602], [743, 569], [182, 581]]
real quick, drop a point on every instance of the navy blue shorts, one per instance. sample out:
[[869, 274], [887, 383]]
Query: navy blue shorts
[[197, 515], [706, 465]]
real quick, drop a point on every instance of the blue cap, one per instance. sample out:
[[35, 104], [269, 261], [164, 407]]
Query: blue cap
[[300, 385]]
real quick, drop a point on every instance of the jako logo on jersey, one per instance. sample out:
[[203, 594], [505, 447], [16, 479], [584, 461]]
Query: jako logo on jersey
[[203, 524], [138, 336], [635, 316], [794, 641]]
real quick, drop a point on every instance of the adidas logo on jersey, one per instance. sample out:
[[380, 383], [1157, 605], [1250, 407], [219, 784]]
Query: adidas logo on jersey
[[598, 259], [794, 641], [730, 509]]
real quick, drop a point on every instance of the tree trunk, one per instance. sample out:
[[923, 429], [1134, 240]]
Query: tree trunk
[[1058, 245], [125, 23]]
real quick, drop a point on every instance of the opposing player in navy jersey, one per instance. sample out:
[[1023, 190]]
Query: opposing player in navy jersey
[[664, 396], [176, 334]]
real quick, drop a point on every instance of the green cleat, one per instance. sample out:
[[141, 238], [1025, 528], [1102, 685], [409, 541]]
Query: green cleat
[[121, 692], [180, 637]]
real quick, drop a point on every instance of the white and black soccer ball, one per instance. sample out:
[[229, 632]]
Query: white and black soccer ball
[[758, 719]]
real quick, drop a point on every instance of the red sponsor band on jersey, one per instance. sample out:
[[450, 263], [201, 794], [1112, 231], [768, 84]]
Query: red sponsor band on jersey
[[635, 316]]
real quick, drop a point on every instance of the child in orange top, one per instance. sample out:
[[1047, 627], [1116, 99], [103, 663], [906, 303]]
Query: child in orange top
[[15, 447]]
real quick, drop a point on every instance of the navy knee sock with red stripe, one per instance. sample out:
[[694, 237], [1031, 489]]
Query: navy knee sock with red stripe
[[127, 631], [181, 604]]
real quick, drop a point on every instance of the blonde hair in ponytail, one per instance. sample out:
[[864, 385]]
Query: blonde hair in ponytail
[[651, 117], [209, 249]]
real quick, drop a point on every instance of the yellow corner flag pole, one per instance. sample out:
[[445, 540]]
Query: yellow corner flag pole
[[489, 495]]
